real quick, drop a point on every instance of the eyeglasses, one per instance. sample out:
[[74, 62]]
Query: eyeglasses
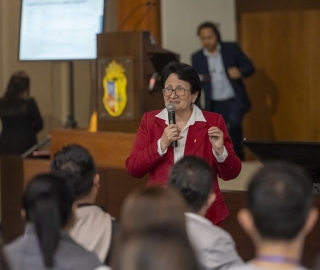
[[179, 91]]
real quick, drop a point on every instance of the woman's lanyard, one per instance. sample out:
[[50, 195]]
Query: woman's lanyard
[[278, 259]]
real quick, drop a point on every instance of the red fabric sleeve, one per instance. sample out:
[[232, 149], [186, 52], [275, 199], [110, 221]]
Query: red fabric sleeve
[[144, 155]]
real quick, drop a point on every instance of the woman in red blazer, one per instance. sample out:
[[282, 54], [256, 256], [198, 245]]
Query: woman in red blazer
[[198, 133]]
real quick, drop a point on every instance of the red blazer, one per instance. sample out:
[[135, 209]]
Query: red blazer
[[144, 157]]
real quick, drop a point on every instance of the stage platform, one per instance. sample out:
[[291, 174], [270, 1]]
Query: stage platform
[[240, 183]]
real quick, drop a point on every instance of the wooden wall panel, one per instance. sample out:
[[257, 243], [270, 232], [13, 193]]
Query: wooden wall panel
[[267, 5], [139, 15], [32, 167], [285, 89], [108, 149]]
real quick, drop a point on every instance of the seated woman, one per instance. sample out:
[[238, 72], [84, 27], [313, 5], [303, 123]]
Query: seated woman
[[153, 233], [157, 249], [20, 116], [48, 205], [152, 207]]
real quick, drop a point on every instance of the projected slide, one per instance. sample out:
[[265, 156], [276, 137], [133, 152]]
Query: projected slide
[[60, 29]]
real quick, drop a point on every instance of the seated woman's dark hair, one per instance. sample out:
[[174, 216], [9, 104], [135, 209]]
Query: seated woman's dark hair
[[75, 163], [48, 201]]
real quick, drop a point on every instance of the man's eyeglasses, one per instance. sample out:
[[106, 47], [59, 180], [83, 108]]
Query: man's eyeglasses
[[179, 91]]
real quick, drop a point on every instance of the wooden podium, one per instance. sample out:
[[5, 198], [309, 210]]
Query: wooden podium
[[133, 52]]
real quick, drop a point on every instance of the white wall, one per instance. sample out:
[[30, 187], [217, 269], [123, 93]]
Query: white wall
[[180, 19]]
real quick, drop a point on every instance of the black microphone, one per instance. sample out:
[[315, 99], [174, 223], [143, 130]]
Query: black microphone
[[172, 119]]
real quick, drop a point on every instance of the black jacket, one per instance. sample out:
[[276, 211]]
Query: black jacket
[[19, 129]]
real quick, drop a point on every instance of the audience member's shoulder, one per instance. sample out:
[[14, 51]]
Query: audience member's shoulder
[[206, 227], [246, 266], [14, 246], [84, 257], [92, 209], [14, 250]]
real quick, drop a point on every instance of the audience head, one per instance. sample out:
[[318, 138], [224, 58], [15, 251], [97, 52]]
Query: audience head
[[18, 86], [156, 249], [152, 207], [193, 178], [185, 73], [209, 35], [48, 202], [75, 164], [279, 203]]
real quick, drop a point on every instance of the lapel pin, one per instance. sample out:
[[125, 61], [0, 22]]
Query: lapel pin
[[195, 140]]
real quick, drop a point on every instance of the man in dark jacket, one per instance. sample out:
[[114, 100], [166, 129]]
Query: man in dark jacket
[[221, 67]]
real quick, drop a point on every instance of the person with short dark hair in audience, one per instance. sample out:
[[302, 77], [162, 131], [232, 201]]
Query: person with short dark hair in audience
[[192, 177], [278, 216], [20, 116], [157, 249], [48, 204], [94, 228]]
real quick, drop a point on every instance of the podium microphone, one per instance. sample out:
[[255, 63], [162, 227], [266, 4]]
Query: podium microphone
[[172, 119], [152, 81]]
